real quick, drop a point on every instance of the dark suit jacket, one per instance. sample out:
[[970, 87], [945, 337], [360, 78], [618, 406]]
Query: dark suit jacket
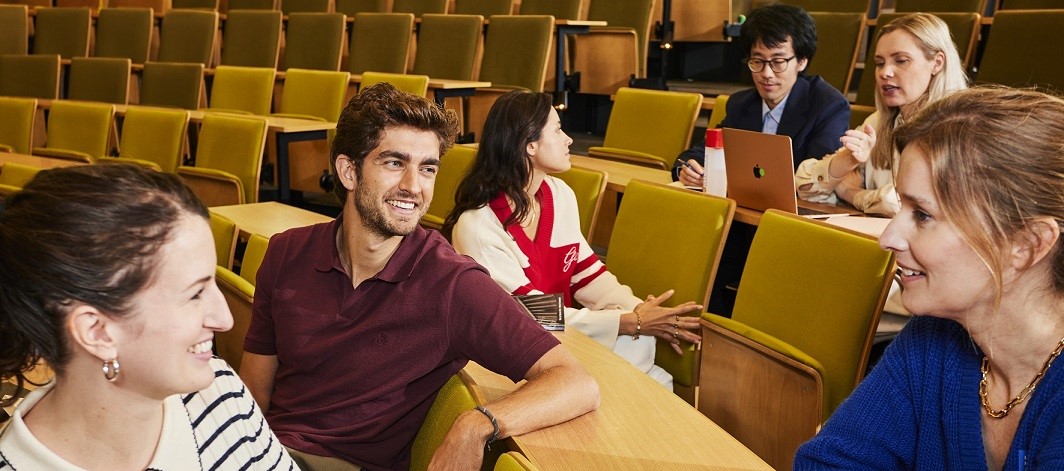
[[815, 116]]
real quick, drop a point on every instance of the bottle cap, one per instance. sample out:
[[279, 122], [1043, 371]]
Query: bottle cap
[[714, 138]]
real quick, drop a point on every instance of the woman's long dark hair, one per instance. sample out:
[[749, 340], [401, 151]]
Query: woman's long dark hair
[[502, 163]]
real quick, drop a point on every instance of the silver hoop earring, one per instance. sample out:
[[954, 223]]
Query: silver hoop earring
[[111, 368]]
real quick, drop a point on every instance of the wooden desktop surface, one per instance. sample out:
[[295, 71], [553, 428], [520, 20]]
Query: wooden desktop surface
[[620, 173], [753, 216], [269, 218], [36, 161], [442, 84], [280, 124], [638, 426]]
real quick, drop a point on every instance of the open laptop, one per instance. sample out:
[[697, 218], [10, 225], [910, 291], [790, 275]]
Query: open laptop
[[760, 172]]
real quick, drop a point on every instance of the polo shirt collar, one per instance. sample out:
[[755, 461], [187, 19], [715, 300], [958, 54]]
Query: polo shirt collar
[[326, 260], [400, 267]]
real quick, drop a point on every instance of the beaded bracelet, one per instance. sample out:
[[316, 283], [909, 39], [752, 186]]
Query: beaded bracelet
[[494, 425]]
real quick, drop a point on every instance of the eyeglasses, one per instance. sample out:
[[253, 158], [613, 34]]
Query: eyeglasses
[[777, 65]]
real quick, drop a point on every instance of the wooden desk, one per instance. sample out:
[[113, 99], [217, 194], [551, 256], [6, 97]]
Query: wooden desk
[[267, 219], [753, 216], [443, 89], [638, 426], [620, 173], [36, 161]]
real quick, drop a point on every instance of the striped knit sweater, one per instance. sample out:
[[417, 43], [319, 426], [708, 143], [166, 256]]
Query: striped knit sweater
[[218, 428]]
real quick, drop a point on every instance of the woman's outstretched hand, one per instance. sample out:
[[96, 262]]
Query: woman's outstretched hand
[[669, 323]]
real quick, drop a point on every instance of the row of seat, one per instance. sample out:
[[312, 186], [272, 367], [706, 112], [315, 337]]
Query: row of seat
[[1013, 53], [908, 6], [316, 40], [228, 157]]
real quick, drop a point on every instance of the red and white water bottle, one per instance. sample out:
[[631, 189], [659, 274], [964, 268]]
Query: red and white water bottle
[[715, 178]]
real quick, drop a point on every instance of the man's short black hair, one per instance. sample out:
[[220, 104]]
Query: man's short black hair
[[774, 24]]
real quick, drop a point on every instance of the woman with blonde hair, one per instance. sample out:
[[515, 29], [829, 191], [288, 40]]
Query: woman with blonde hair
[[107, 275], [974, 381], [916, 63]]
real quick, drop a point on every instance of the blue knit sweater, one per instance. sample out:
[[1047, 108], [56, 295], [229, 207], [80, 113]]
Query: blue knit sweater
[[920, 409]]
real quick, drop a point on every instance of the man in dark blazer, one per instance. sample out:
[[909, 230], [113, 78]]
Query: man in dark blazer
[[780, 41]]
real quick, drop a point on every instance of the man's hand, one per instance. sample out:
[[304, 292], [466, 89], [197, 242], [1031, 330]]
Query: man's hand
[[463, 447], [691, 176]]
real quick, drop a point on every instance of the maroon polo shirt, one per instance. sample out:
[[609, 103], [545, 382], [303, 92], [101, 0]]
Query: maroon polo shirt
[[358, 368]]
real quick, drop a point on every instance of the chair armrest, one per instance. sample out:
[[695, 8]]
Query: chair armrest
[[227, 111], [8, 189], [629, 156], [214, 187], [129, 161], [63, 154], [766, 340], [432, 222], [235, 283], [299, 116]]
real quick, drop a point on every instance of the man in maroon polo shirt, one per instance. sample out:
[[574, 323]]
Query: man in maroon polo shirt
[[358, 322]]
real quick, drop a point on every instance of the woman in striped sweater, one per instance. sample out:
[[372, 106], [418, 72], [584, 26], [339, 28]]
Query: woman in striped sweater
[[107, 275]]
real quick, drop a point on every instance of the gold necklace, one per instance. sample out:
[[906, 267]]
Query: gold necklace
[[534, 213], [997, 414]]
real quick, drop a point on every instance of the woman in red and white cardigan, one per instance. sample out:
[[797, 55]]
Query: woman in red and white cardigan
[[523, 225]]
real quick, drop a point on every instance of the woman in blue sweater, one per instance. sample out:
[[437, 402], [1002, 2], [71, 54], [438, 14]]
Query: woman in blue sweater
[[972, 382]]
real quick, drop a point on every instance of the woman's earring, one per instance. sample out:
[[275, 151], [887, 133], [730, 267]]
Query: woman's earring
[[111, 368]]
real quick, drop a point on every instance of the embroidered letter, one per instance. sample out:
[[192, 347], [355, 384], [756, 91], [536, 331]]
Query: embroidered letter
[[570, 257]]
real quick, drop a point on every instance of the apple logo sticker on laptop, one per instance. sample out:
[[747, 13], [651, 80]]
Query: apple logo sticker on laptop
[[758, 171]]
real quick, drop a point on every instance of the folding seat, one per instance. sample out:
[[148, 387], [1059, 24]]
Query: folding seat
[[649, 127], [14, 35], [654, 223], [314, 41], [188, 36], [252, 38], [380, 42], [77, 131], [63, 31], [124, 32], [228, 159]]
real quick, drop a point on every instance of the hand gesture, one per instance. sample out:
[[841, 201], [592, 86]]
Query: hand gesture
[[692, 176], [860, 142], [669, 323], [849, 186]]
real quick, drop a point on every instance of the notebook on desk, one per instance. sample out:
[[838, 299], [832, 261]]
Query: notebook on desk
[[760, 171]]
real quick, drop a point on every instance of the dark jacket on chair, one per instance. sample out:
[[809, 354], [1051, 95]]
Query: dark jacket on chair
[[815, 116]]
